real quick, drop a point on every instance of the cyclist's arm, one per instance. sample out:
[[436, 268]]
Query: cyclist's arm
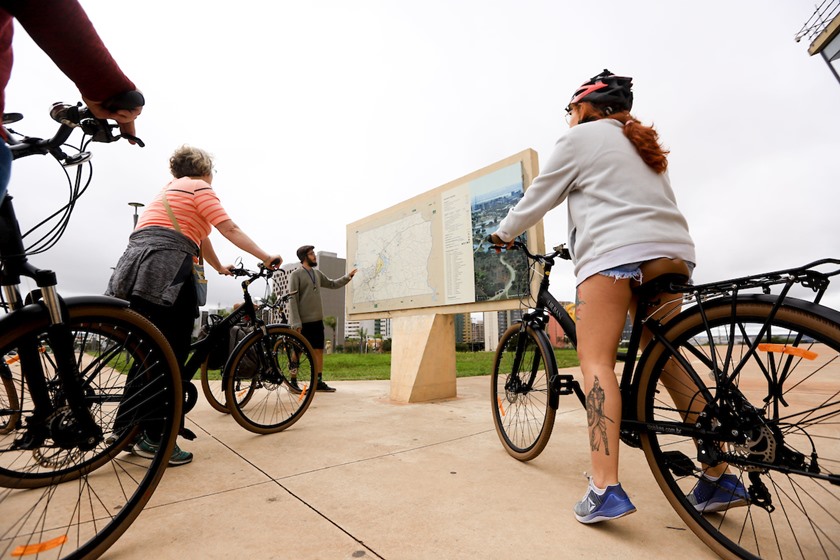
[[327, 282], [209, 254], [239, 238], [63, 31]]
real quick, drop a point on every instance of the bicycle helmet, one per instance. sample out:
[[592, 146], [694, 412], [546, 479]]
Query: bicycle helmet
[[608, 90], [303, 251]]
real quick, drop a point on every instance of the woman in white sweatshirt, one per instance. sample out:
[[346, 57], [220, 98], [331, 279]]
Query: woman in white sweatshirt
[[622, 212]]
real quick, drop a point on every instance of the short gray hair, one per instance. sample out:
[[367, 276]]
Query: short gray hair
[[187, 161]]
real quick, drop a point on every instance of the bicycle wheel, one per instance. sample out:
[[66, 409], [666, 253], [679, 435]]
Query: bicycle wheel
[[775, 425], [74, 501], [214, 391], [261, 368], [520, 390], [9, 403]]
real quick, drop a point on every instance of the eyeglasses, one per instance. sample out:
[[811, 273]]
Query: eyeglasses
[[568, 114]]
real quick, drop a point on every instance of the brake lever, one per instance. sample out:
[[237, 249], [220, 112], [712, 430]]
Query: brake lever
[[132, 138]]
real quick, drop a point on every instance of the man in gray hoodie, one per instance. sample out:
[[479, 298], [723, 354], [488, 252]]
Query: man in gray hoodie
[[306, 313]]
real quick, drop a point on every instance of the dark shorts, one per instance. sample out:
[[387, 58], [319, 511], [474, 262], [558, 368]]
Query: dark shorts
[[314, 333]]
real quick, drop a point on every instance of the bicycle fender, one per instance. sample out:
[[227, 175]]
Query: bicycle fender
[[37, 312]]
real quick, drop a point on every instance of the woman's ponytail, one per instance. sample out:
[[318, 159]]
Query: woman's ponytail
[[646, 141]]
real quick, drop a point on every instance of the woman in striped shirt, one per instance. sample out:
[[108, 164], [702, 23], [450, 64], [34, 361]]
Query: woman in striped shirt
[[155, 271]]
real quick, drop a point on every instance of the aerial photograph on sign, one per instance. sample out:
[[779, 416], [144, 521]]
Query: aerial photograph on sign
[[504, 275]]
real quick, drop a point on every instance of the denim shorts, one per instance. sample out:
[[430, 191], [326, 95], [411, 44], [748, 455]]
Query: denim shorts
[[634, 271], [625, 271]]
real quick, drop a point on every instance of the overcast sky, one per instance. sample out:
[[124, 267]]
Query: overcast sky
[[322, 113]]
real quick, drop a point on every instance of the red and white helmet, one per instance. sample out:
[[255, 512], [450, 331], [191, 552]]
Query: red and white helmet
[[608, 90]]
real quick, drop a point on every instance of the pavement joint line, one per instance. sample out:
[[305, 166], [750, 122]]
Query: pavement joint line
[[338, 465], [295, 496]]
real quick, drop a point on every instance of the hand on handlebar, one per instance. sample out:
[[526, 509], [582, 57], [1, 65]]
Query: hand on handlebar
[[498, 243], [273, 262], [123, 109], [227, 270]]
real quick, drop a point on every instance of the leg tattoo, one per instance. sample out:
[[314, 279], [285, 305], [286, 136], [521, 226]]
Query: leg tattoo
[[596, 419], [579, 303]]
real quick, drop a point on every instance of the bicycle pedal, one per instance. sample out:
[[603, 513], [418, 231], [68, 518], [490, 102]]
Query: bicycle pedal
[[563, 384]]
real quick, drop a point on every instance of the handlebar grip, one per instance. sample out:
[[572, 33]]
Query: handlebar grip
[[126, 100]]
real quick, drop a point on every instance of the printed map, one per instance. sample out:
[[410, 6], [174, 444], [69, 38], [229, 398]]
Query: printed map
[[393, 260]]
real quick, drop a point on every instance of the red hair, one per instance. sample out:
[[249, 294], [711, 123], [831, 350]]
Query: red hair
[[644, 138]]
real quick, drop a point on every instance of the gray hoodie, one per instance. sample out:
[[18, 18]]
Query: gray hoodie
[[619, 210]]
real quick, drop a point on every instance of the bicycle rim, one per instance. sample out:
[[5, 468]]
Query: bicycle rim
[[786, 448], [9, 403], [75, 503], [213, 390], [257, 380], [522, 414]]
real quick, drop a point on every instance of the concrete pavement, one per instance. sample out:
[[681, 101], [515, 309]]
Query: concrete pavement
[[362, 477]]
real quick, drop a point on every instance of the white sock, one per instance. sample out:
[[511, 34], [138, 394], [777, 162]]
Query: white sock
[[599, 491]]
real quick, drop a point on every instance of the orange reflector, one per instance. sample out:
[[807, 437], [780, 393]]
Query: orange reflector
[[242, 392], [784, 349], [501, 408], [302, 393], [40, 547], [13, 359]]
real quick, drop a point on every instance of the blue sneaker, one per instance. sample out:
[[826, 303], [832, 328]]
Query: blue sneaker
[[710, 496], [612, 504]]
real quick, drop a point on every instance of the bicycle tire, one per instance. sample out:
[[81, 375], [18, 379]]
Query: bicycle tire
[[214, 391], [790, 427], [520, 397], [272, 404], [9, 402], [74, 503]]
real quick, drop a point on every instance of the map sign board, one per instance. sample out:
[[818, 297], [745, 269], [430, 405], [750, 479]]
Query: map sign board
[[429, 253]]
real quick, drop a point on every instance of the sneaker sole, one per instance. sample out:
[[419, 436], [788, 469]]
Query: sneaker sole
[[598, 517], [720, 506], [149, 455], [143, 453]]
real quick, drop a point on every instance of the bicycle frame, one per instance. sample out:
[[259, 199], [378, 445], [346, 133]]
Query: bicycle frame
[[202, 348], [649, 297]]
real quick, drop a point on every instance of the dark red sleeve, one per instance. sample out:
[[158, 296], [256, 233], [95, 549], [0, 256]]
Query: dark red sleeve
[[62, 29]]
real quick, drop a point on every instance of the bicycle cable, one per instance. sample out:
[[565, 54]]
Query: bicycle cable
[[76, 189]]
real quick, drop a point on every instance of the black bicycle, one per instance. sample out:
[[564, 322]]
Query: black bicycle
[[81, 376], [224, 346], [734, 375], [269, 378]]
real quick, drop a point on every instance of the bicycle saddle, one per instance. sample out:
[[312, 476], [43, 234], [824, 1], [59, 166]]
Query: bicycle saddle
[[677, 269]]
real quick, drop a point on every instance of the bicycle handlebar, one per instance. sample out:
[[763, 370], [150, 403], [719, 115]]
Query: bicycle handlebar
[[242, 271], [560, 251], [69, 118]]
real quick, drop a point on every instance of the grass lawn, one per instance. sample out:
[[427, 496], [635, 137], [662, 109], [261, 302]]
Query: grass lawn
[[343, 367]]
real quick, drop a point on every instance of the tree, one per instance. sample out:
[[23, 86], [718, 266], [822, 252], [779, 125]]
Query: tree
[[362, 340], [331, 322]]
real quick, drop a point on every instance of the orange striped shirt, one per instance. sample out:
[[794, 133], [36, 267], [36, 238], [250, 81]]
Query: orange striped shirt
[[195, 205]]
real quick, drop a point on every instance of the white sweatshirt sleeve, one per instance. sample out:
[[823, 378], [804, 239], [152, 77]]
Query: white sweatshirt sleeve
[[547, 191]]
